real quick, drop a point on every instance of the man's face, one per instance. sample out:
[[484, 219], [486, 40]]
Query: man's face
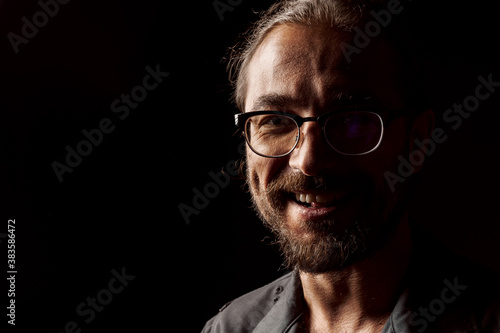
[[302, 70]]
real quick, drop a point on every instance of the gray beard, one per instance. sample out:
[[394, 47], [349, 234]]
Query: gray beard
[[330, 249], [325, 252]]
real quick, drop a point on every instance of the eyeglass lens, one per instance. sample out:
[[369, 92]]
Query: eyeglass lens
[[353, 133]]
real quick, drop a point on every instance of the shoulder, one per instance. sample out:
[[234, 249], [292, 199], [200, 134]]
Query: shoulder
[[473, 296], [246, 312], [456, 290], [484, 297]]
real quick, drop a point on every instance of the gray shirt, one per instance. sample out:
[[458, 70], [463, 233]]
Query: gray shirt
[[442, 293]]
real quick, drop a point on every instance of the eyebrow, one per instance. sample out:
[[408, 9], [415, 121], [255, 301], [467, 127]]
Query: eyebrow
[[273, 100], [340, 98]]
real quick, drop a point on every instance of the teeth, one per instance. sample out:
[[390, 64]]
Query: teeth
[[319, 198]]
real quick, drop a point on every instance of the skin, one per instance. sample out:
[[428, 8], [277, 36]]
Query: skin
[[306, 69]]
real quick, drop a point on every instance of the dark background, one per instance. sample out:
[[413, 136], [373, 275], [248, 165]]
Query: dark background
[[119, 207]]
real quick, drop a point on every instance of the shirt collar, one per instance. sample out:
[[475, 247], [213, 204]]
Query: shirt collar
[[287, 310]]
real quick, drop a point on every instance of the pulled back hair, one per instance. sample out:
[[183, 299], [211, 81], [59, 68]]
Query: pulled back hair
[[341, 14]]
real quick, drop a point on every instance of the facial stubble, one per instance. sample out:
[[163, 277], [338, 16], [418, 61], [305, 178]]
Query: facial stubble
[[328, 246]]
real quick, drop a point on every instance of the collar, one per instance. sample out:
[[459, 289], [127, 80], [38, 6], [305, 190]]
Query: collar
[[285, 315]]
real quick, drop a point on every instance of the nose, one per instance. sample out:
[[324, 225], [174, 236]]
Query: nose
[[313, 154]]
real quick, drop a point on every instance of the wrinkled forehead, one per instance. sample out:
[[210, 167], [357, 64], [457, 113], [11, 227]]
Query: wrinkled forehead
[[308, 67]]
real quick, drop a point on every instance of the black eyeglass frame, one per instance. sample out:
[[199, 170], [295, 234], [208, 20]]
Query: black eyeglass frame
[[240, 120]]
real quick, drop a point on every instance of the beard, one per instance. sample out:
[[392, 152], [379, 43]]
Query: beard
[[333, 243]]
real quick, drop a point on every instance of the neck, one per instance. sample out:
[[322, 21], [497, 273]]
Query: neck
[[361, 296]]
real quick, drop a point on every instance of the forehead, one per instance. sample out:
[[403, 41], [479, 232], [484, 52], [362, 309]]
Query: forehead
[[304, 67]]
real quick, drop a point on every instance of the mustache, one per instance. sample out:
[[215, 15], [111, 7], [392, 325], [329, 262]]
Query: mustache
[[298, 182]]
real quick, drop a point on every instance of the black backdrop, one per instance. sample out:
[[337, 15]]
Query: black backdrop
[[119, 208]]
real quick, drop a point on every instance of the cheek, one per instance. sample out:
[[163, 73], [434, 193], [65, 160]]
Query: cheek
[[385, 158], [261, 170], [395, 141]]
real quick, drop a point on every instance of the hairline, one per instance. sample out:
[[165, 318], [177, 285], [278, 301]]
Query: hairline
[[336, 15]]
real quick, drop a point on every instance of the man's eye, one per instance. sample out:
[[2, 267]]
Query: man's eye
[[276, 121]]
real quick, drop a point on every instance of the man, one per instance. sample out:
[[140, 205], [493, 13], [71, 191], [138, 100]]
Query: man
[[325, 120]]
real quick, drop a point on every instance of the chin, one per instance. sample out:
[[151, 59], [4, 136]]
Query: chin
[[320, 246]]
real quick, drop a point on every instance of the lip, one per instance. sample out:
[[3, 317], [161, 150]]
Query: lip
[[317, 212], [319, 197]]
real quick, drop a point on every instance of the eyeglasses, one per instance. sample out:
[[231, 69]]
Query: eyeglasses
[[353, 132]]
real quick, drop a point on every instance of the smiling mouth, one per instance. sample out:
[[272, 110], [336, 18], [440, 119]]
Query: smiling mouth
[[320, 199]]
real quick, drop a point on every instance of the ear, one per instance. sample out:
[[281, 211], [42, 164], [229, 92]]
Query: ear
[[421, 145]]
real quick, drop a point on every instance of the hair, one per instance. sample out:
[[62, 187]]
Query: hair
[[342, 14]]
